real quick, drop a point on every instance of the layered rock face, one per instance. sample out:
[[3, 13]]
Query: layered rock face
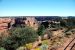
[[6, 23], [32, 22]]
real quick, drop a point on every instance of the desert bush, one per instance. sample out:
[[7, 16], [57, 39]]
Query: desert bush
[[47, 34], [29, 46], [19, 36], [69, 34], [2, 48], [21, 48], [37, 48], [45, 42], [44, 47], [41, 30]]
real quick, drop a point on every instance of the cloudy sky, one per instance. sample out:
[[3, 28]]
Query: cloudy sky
[[37, 7]]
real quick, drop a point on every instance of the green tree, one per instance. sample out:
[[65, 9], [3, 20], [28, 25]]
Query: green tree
[[19, 36], [41, 30], [1, 48], [63, 23]]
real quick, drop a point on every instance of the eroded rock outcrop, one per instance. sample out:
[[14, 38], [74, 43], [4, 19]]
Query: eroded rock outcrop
[[5, 24], [32, 22]]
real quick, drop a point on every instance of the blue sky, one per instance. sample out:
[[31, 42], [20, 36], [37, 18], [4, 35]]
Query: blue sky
[[37, 7]]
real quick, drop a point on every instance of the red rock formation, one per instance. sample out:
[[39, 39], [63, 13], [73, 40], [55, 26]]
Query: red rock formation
[[32, 22], [4, 23]]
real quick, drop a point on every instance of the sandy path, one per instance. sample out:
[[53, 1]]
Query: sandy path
[[68, 44]]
